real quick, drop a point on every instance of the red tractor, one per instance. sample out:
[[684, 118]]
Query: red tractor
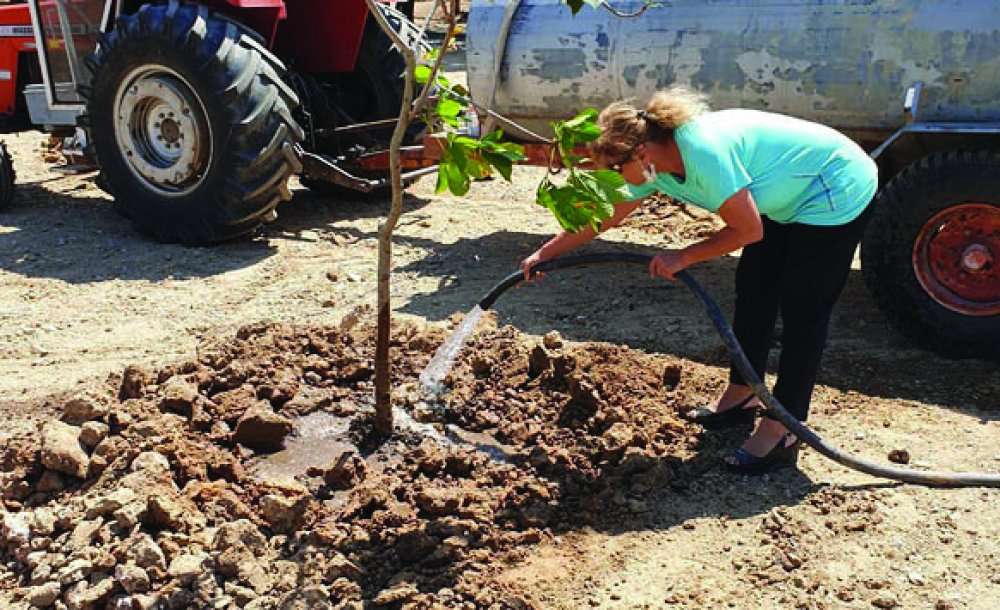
[[198, 114]]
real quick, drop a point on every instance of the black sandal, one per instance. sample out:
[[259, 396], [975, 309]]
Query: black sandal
[[781, 456], [733, 417]]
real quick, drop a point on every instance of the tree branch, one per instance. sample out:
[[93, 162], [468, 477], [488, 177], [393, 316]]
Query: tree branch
[[419, 104]]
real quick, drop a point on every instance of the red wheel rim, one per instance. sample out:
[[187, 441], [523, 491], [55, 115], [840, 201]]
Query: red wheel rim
[[956, 258]]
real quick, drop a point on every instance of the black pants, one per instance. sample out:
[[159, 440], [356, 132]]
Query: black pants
[[801, 270]]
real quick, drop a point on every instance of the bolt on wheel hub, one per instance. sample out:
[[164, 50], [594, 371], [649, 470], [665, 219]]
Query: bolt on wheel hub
[[162, 130], [954, 258]]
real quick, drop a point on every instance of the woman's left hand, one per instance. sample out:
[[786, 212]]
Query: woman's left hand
[[667, 263]]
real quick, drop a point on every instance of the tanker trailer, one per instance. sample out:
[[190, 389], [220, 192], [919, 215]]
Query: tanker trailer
[[916, 82]]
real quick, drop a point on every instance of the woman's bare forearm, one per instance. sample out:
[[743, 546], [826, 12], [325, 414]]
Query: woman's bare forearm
[[725, 241]]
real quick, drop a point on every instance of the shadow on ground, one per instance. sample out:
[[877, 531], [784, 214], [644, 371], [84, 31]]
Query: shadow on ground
[[77, 237], [621, 304]]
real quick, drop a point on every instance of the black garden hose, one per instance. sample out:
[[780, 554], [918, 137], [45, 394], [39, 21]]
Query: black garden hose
[[774, 408]]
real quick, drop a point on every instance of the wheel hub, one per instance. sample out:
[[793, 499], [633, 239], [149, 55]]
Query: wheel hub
[[954, 258], [162, 130]]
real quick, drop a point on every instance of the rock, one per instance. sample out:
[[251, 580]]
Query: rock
[[262, 429], [148, 554], [106, 505], [92, 433], [552, 340], [134, 379], [439, 502], [89, 597], [396, 594], [886, 600], [83, 409], [43, 521], [150, 461], [43, 596], [15, 529], [309, 597], [235, 556], [188, 566], [672, 376], [283, 513], [239, 533], [482, 365], [61, 450], [132, 578], [414, 545], [899, 456], [617, 438], [346, 471], [83, 533], [539, 361], [179, 396], [240, 594], [430, 457], [128, 516], [50, 481], [74, 571], [341, 567], [168, 509]]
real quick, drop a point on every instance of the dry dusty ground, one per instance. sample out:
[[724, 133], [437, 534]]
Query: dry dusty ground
[[82, 296]]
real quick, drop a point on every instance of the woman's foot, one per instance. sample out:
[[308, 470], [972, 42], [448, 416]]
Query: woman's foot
[[736, 407], [769, 448]]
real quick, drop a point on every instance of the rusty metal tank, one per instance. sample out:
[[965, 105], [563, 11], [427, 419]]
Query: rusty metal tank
[[846, 63]]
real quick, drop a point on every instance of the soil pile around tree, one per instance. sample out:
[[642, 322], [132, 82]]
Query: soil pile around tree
[[177, 488]]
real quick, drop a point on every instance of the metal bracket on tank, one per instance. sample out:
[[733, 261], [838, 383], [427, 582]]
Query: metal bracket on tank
[[911, 108]]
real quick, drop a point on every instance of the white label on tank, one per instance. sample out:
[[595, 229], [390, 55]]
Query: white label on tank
[[5, 75]]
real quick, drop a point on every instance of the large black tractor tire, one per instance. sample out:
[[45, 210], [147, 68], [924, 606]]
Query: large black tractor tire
[[373, 91], [192, 124], [931, 254], [7, 177]]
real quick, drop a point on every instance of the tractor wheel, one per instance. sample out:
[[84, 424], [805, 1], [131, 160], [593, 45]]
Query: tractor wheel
[[7, 177], [192, 124], [931, 255]]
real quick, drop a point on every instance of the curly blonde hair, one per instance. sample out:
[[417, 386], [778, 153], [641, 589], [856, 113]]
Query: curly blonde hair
[[624, 127]]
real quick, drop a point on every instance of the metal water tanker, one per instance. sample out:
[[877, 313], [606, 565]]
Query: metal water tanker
[[931, 255], [842, 62]]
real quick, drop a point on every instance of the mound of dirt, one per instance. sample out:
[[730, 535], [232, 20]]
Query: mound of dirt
[[151, 493]]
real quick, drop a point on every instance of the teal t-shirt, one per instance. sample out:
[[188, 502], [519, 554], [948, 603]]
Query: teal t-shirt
[[797, 171]]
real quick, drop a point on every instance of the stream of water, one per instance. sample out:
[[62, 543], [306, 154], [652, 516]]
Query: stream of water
[[432, 377]]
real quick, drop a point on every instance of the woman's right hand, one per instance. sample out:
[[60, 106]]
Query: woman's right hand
[[529, 263]]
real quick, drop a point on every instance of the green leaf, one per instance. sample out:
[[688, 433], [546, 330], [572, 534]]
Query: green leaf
[[502, 164], [442, 181], [458, 180], [574, 5], [422, 74], [448, 111]]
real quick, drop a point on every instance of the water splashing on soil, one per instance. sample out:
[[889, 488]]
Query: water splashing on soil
[[432, 378]]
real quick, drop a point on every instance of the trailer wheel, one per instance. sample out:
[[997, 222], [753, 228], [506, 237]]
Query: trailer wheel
[[931, 255], [7, 177], [192, 125]]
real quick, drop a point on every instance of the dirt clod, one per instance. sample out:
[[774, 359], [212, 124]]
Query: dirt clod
[[262, 429], [899, 456]]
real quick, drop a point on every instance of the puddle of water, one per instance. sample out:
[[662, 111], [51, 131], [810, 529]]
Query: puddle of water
[[319, 438], [432, 377]]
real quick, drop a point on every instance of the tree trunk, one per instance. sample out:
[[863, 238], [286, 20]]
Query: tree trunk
[[383, 365]]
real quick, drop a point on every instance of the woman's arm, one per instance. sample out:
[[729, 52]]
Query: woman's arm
[[743, 227], [566, 241]]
